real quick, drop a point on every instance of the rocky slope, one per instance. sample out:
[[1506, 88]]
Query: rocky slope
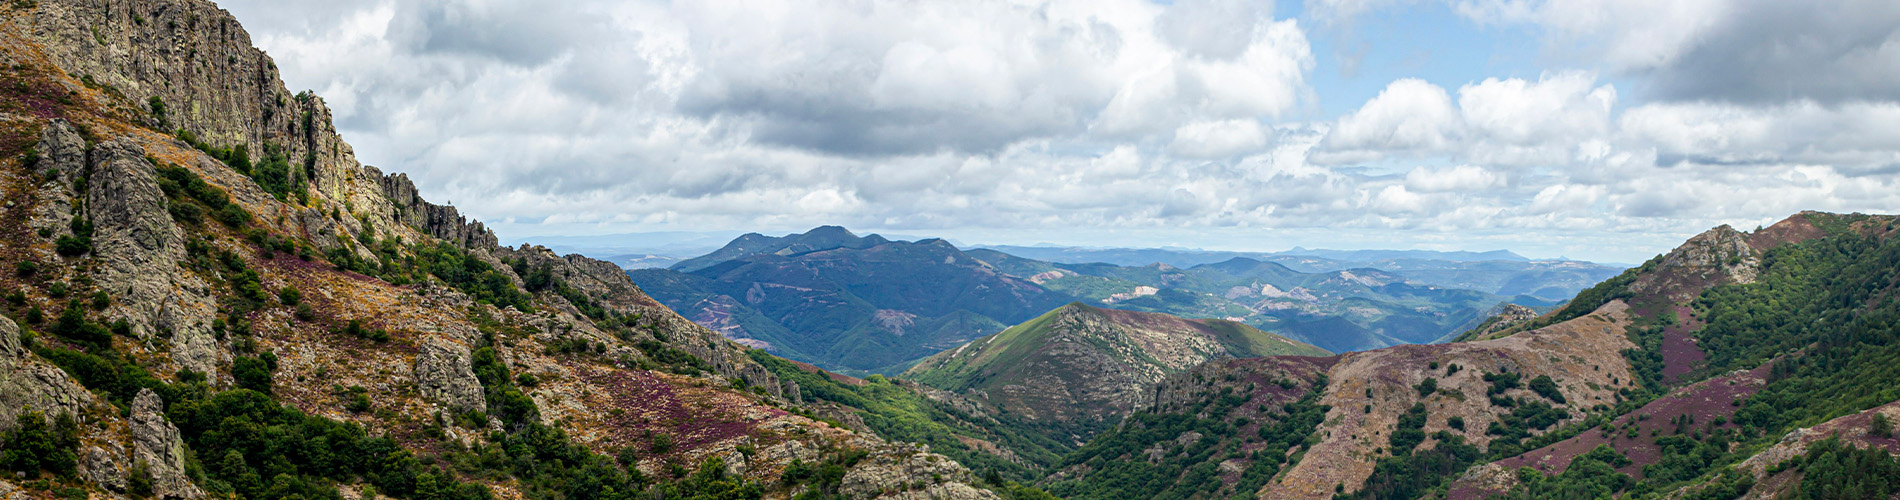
[[1702, 374], [1079, 367], [181, 231]]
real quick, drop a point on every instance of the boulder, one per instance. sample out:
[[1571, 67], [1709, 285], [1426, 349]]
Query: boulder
[[445, 376]]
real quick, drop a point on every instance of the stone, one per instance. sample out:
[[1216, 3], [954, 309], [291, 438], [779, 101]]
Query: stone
[[101, 467], [157, 444], [29, 384], [63, 153], [139, 247], [445, 376]]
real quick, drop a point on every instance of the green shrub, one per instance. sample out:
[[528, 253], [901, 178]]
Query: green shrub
[[33, 446]]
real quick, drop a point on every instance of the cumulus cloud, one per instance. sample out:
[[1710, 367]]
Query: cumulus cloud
[[1731, 50], [1052, 116], [1409, 116], [1497, 121]]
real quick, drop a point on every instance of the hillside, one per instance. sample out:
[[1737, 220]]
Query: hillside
[[1676, 379], [208, 295], [1078, 368]]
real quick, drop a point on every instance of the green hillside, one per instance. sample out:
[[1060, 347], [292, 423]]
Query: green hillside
[[1077, 369]]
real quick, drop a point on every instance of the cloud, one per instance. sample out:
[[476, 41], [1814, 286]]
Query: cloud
[[1462, 178], [1729, 50], [1216, 139], [1853, 135], [1497, 121], [1410, 116], [1123, 118]]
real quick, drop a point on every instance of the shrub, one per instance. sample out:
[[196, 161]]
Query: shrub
[[72, 246], [34, 446], [26, 268], [234, 216], [1547, 388], [254, 373]]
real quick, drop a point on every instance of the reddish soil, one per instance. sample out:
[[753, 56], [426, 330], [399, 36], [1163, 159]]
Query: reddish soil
[[649, 403], [1793, 229], [1703, 401], [1681, 354]]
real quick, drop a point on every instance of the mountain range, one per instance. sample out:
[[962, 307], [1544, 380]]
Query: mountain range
[[864, 304]]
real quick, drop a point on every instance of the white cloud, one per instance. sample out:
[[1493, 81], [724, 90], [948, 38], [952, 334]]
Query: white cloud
[[1218, 139], [1462, 178], [1114, 115], [1496, 121], [1409, 116]]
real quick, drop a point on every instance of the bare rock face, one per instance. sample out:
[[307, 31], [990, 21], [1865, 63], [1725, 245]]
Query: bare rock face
[[156, 444], [27, 383], [101, 467], [63, 153], [442, 222], [139, 247], [599, 278], [1717, 256], [134, 236], [910, 476], [444, 376]]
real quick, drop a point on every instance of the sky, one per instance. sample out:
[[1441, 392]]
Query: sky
[[1604, 130]]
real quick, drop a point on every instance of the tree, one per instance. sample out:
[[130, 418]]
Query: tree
[[34, 446]]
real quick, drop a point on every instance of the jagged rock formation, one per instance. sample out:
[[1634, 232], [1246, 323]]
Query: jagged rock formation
[[1508, 316], [1717, 256], [30, 384], [444, 376], [158, 449]]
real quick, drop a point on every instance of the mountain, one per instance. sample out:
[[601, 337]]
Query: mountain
[[1739, 365], [1499, 272], [850, 307], [868, 304], [207, 295], [753, 244], [1081, 367], [1379, 255], [1343, 310]]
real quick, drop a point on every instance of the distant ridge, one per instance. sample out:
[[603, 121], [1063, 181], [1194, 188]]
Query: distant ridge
[[817, 239]]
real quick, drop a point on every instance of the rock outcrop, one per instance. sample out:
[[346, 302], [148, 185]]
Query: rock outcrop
[[444, 376], [156, 446], [911, 477], [138, 247], [62, 153], [1717, 256], [29, 384]]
